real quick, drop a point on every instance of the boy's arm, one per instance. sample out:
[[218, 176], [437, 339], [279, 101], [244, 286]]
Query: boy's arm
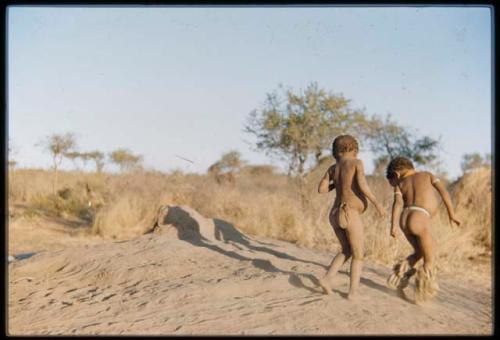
[[327, 184], [445, 196], [365, 189], [396, 210]]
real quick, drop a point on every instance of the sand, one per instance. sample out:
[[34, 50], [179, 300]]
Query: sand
[[215, 280]]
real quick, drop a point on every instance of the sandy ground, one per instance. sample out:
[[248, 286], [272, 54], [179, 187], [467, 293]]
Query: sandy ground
[[158, 284]]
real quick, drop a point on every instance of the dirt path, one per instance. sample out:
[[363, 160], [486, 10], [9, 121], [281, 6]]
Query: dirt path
[[157, 284]]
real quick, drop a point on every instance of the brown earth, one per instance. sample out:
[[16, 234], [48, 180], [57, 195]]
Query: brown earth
[[194, 275]]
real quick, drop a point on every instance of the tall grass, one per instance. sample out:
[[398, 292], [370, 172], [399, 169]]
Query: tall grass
[[258, 203]]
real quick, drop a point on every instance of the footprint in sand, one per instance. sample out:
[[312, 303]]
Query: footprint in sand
[[310, 301], [142, 304], [90, 325], [108, 297], [131, 292], [135, 284], [66, 304]]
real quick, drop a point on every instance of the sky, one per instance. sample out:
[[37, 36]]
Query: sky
[[179, 82]]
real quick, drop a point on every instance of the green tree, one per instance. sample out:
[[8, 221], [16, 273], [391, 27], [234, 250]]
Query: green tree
[[74, 156], [125, 159], [224, 169], [229, 162], [98, 158], [474, 160], [295, 126], [85, 157], [388, 139], [57, 145]]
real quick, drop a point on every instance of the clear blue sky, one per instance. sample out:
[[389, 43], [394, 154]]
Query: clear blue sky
[[167, 81]]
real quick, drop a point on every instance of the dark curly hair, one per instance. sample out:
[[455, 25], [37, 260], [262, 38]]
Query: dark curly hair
[[344, 143], [396, 164]]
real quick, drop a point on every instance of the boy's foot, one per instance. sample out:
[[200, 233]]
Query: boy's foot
[[426, 286], [353, 296], [399, 274], [405, 280], [323, 282]]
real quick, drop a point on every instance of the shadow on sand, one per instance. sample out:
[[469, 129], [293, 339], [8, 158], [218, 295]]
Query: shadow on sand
[[84, 222], [190, 231]]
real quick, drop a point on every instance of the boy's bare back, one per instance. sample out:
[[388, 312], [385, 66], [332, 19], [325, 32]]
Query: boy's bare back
[[346, 175], [418, 190]]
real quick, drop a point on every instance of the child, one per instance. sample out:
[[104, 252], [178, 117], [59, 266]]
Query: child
[[348, 178], [414, 190]]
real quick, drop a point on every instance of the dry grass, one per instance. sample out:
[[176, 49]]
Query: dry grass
[[260, 202]]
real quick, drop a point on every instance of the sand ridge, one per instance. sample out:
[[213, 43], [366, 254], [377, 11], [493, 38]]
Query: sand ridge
[[170, 281]]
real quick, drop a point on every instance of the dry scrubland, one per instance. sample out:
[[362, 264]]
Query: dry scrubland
[[259, 202]]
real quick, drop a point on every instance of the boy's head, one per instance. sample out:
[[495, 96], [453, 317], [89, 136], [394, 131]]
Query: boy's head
[[397, 166], [343, 144]]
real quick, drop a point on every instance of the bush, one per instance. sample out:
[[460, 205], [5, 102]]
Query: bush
[[264, 204]]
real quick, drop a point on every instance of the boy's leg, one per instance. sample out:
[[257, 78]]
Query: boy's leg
[[427, 247], [404, 270], [426, 285], [417, 252], [339, 259], [355, 237]]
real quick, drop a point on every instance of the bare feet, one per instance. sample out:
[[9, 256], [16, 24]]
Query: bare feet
[[426, 285], [393, 280], [400, 275], [323, 282], [354, 296]]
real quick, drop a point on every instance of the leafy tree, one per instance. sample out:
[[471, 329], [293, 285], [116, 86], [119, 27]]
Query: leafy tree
[[295, 126], [259, 169], [473, 161], [229, 162], [388, 139], [98, 158], [57, 145], [73, 156], [224, 169], [125, 159], [85, 157]]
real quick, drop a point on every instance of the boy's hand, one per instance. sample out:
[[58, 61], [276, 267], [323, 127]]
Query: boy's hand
[[331, 170], [381, 211], [393, 231], [454, 220]]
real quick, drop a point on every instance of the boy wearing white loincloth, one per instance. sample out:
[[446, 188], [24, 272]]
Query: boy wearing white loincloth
[[413, 191]]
